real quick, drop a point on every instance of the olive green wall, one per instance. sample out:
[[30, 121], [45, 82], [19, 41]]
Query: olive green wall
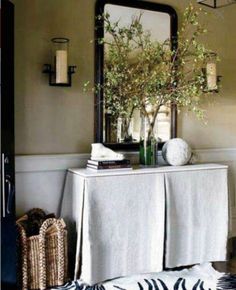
[[60, 120]]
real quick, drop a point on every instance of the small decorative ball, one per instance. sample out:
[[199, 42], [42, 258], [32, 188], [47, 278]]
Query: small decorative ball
[[176, 152]]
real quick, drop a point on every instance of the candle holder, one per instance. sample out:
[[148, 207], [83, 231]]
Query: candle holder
[[212, 80], [59, 72]]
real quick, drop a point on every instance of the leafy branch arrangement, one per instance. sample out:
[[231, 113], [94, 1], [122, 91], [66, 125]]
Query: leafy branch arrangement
[[143, 74]]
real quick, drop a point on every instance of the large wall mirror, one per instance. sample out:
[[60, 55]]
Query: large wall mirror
[[160, 21]]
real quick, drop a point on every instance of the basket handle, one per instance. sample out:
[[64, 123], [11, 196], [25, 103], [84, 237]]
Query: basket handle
[[59, 224], [24, 255]]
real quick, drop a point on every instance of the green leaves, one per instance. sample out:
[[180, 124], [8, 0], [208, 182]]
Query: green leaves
[[139, 71]]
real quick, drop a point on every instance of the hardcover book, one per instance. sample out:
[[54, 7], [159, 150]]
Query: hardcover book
[[109, 162], [109, 168]]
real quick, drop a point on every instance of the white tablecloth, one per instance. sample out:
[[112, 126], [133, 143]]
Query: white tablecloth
[[120, 221], [197, 217]]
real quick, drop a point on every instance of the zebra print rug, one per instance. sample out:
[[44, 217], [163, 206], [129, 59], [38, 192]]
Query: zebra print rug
[[199, 277]]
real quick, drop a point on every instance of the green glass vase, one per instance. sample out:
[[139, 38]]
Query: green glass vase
[[148, 144]]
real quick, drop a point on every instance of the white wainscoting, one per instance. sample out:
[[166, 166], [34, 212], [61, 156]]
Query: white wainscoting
[[40, 178]]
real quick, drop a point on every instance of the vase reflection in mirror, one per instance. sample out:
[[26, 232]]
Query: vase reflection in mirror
[[124, 129], [120, 130]]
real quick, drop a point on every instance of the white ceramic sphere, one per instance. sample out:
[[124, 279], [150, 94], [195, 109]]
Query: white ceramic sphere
[[176, 152]]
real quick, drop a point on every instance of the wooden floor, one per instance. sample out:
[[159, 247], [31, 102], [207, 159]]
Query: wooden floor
[[230, 266], [226, 267]]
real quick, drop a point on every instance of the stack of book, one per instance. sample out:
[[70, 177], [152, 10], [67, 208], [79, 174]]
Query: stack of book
[[109, 165]]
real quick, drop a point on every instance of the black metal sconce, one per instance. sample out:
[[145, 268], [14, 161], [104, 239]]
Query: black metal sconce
[[59, 73], [212, 80], [216, 3]]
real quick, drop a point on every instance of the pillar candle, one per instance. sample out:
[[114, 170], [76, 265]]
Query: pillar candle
[[61, 67], [211, 76]]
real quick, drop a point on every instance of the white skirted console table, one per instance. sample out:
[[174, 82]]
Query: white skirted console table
[[139, 221]]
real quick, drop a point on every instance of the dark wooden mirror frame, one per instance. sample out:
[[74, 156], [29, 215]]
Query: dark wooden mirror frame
[[99, 60]]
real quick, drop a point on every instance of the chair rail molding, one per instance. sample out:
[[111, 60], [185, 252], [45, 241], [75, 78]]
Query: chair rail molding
[[52, 162], [40, 178], [55, 162]]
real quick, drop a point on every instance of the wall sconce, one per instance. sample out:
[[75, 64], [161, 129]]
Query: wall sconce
[[216, 3], [210, 72], [59, 72]]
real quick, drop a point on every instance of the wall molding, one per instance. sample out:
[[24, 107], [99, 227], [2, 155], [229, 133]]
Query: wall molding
[[216, 155], [55, 162], [36, 175]]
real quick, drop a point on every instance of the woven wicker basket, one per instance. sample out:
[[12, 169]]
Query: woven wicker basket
[[43, 257]]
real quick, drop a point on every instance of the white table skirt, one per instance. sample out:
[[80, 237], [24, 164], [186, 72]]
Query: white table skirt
[[120, 225], [119, 218], [196, 217]]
